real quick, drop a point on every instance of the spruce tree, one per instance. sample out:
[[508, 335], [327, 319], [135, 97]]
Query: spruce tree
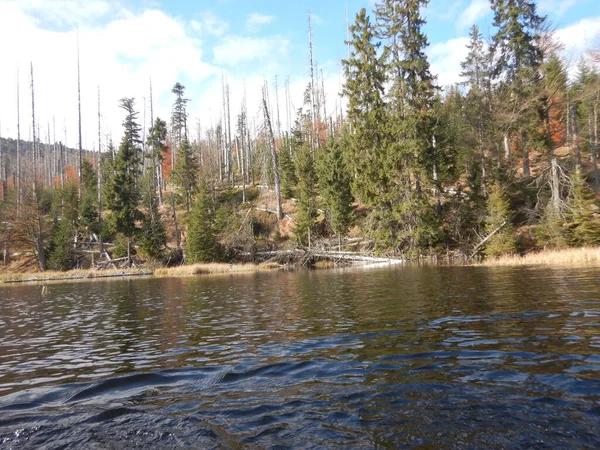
[[65, 209], [583, 219], [286, 172], [518, 58], [153, 237], [157, 142], [201, 243], [306, 212], [367, 118], [498, 220], [89, 198], [122, 192], [179, 117], [335, 187], [185, 173], [477, 110]]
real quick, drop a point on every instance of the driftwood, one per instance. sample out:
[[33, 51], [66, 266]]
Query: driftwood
[[305, 255], [487, 238]]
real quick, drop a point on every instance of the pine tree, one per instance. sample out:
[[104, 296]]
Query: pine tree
[[335, 187], [185, 173], [201, 243], [122, 192], [306, 212]]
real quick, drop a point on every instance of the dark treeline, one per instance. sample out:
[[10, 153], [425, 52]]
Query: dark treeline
[[503, 162]]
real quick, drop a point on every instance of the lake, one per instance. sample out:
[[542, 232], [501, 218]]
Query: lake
[[394, 357]]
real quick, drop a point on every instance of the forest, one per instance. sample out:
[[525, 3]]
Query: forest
[[504, 162]]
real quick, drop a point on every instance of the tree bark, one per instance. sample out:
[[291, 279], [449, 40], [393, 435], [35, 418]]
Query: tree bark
[[525, 154]]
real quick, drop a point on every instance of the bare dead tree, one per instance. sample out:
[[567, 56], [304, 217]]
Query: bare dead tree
[[80, 161], [313, 144], [275, 165], [34, 143], [19, 190]]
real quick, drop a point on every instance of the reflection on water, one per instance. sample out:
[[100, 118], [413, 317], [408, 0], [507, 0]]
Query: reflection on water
[[402, 356]]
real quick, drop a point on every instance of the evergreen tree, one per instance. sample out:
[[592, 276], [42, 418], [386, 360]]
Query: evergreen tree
[[153, 237], [477, 109], [306, 213], [335, 187], [498, 220], [413, 156], [179, 117], [122, 192], [583, 220], [89, 198], [201, 243], [518, 58], [364, 88], [61, 255], [157, 142], [185, 173], [286, 172]]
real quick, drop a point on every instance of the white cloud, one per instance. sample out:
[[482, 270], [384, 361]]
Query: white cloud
[[476, 10], [210, 24], [119, 56], [234, 50], [256, 21], [578, 38], [445, 59], [120, 53], [556, 7]]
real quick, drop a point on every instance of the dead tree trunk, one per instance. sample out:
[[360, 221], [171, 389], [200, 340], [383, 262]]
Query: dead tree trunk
[[177, 237], [19, 199], [2, 169], [593, 131], [575, 134], [80, 160], [273, 156], [99, 177], [525, 154], [34, 143]]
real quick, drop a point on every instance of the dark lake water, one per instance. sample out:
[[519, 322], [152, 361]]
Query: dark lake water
[[450, 357]]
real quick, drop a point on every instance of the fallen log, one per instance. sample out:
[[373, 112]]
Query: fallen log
[[333, 255], [487, 238]]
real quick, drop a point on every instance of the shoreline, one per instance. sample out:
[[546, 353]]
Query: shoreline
[[563, 257], [171, 272]]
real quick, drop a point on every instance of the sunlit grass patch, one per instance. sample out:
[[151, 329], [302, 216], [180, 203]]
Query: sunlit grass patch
[[70, 275], [574, 256], [212, 268]]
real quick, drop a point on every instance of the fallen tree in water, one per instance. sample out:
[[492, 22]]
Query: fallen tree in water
[[309, 256]]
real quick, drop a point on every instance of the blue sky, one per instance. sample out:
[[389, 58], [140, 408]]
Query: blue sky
[[124, 43]]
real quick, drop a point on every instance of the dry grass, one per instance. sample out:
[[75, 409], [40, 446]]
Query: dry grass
[[570, 256], [213, 268], [70, 275]]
